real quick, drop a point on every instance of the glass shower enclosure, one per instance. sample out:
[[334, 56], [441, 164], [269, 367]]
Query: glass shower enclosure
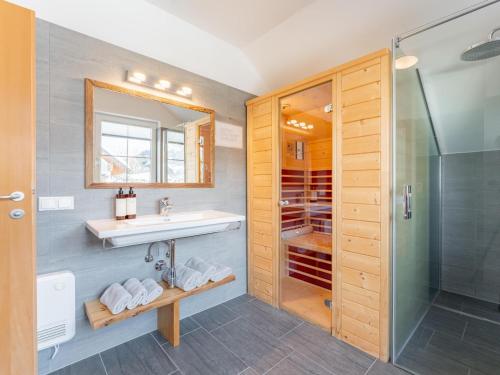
[[446, 195], [416, 207]]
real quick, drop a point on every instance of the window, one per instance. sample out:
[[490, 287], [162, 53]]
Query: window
[[175, 156], [127, 149]]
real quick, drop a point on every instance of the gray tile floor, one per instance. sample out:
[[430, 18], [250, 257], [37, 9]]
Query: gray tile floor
[[451, 340], [243, 336]]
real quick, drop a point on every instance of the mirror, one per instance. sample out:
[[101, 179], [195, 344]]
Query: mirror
[[137, 139]]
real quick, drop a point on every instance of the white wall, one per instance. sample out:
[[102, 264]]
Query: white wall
[[143, 28]]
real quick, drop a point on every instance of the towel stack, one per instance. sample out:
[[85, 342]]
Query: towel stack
[[196, 272], [133, 293]]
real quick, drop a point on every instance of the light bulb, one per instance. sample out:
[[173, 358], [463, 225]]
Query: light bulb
[[139, 77], [187, 90], [164, 83], [405, 62]]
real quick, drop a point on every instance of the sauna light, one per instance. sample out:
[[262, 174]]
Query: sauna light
[[293, 122], [302, 124], [405, 62], [296, 125], [310, 126]]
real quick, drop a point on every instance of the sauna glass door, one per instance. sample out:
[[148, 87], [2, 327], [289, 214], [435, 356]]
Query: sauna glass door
[[306, 204]]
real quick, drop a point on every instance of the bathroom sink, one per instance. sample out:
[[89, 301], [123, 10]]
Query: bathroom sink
[[150, 228], [172, 218], [148, 221]]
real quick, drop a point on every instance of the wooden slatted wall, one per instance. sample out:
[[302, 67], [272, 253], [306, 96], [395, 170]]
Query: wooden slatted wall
[[363, 215], [362, 194], [261, 230]]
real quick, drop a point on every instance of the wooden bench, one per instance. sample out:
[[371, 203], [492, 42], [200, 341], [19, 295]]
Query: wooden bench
[[168, 310]]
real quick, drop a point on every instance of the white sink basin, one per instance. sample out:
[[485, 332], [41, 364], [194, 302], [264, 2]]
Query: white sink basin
[[147, 221], [150, 228], [173, 218]]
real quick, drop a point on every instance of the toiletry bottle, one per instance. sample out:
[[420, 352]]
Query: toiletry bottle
[[131, 204], [121, 205]]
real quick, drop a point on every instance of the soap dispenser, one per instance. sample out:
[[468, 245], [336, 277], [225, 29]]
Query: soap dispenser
[[131, 204], [121, 205]]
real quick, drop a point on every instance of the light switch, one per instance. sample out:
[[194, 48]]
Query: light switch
[[56, 203], [66, 203], [46, 204]]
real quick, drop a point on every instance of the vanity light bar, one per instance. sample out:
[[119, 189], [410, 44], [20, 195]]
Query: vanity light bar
[[160, 84]]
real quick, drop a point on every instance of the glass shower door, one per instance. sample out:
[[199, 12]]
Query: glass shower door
[[416, 209]]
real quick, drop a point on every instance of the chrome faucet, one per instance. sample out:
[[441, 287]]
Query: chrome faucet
[[165, 206]]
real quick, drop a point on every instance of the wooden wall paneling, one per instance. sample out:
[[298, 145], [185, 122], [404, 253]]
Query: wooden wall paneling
[[363, 212], [261, 160], [336, 289], [276, 191], [386, 206], [361, 198]]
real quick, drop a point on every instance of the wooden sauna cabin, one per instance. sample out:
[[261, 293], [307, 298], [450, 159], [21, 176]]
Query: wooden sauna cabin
[[319, 200]]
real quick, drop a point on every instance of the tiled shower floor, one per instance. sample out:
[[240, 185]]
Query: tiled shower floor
[[458, 336], [242, 336]]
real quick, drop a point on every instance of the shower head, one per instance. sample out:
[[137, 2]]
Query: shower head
[[483, 50]]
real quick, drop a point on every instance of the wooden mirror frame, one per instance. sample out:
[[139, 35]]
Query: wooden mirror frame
[[90, 85]]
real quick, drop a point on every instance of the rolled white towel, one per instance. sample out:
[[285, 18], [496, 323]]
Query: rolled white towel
[[206, 269], [221, 272], [137, 291], [153, 289], [185, 278], [116, 298]]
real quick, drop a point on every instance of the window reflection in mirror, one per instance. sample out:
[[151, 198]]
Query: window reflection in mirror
[[140, 140]]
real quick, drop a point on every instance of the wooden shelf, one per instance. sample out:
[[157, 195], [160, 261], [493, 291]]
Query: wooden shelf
[[99, 316], [312, 241]]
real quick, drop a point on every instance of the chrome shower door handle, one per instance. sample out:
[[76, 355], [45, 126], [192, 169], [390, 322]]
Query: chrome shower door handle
[[15, 196], [407, 202], [283, 203]]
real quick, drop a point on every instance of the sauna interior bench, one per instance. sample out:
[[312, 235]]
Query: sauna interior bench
[[312, 241], [168, 310]]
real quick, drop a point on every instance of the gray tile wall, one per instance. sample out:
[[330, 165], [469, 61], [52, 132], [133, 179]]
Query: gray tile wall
[[471, 225], [64, 59]]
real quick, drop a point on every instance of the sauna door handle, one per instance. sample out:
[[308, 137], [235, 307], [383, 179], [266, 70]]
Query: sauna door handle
[[283, 203]]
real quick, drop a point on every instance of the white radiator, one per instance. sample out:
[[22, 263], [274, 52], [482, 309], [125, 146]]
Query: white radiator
[[55, 308]]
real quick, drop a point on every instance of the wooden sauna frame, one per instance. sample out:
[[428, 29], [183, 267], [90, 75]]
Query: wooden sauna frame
[[361, 204]]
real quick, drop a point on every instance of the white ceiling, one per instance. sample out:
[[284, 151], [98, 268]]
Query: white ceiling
[[463, 97], [287, 40], [255, 45], [236, 22]]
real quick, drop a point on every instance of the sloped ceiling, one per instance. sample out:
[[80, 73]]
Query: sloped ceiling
[[253, 45], [463, 97]]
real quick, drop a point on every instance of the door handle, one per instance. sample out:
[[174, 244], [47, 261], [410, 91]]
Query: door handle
[[407, 212], [283, 203], [15, 196]]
